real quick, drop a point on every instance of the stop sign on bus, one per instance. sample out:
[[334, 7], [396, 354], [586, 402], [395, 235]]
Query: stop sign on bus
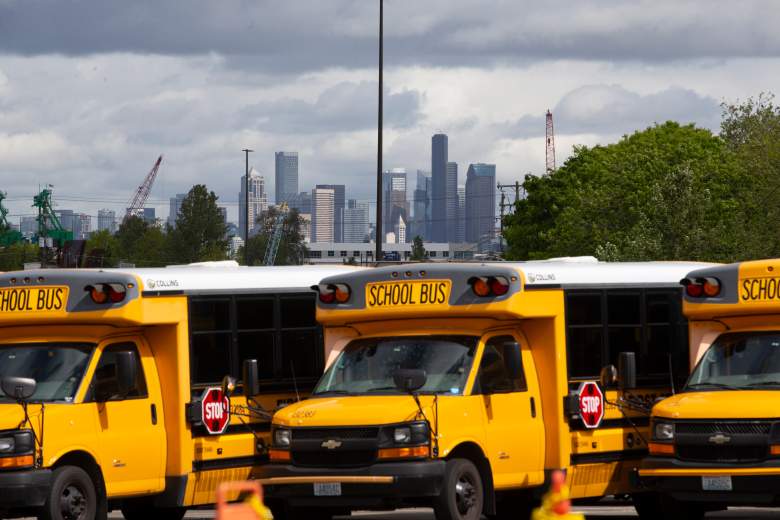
[[215, 410], [591, 404]]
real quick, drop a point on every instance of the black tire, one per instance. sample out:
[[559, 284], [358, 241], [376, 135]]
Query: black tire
[[72, 496], [147, 512], [462, 495]]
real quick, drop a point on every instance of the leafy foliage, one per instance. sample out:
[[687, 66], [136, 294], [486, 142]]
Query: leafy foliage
[[418, 249], [101, 250], [200, 230], [14, 256], [292, 249]]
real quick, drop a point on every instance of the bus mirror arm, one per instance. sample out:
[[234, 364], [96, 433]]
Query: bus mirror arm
[[410, 380]]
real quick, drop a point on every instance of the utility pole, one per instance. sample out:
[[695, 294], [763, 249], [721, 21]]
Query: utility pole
[[246, 206], [378, 227], [550, 149], [501, 224]]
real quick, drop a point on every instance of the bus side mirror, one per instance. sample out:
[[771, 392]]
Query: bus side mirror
[[251, 379], [608, 377], [409, 380], [627, 370], [126, 371], [19, 388], [228, 385]]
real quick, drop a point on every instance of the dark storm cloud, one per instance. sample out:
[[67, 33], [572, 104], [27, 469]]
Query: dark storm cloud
[[344, 107], [276, 36], [612, 109]]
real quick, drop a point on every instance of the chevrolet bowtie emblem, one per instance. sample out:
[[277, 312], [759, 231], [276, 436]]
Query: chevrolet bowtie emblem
[[719, 439], [331, 444]]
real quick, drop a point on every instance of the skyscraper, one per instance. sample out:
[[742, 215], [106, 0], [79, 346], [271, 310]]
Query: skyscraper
[[301, 202], [480, 202], [452, 202], [107, 220], [258, 201], [355, 222], [394, 203], [439, 151], [338, 209], [175, 207], [286, 176], [420, 222], [460, 236], [322, 214]]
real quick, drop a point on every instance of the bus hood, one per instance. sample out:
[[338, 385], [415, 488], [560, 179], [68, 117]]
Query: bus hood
[[720, 404], [351, 411], [12, 415]]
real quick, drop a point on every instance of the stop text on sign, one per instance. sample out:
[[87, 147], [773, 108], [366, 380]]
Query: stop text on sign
[[215, 410], [591, 401]]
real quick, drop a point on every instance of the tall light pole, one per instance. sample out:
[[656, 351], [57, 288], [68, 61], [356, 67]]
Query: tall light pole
[[246, 207], [379, 234]]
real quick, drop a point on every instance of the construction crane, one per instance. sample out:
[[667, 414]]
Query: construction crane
[[550, 155], [136, 206], [49, 227], [8, 236], [276, 236]]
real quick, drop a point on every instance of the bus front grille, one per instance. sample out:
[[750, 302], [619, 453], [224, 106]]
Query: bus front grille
[[335, 458], [705, 453]]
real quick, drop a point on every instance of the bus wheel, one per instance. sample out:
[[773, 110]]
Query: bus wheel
[[147, 512], [72, 496], [462, 494]]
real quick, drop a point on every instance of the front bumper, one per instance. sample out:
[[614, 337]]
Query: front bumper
[[757, 485], [378, 486], [24, 488]]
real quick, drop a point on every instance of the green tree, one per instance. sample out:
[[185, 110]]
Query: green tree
[[200, 230], [141, 244], [669, 192], [418, 249], [101, 250], [13, 257], [292, 249]]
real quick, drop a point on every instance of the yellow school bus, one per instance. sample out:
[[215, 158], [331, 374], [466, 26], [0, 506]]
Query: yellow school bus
[[717, 443], [463, 386], [103, 373]]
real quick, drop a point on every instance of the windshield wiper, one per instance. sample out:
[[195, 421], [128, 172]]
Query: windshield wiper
[[339, 392], [381, 389], [763, 383], [716, 385]]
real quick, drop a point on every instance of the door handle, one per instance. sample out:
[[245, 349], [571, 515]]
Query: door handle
[[533, 407], [154, 413]]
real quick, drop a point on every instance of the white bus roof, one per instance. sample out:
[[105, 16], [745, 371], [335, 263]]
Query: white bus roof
[[230, 276], [588, 271]]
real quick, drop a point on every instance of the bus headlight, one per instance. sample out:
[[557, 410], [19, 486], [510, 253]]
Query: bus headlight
[[7, 444], [402, 435], [663, 431], [282, 437]]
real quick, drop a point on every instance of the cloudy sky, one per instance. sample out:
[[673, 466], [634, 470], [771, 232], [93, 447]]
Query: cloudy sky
[[92, 91]]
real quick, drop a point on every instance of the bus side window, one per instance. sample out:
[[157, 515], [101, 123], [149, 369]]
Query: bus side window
[[105, 374], [496, 366]]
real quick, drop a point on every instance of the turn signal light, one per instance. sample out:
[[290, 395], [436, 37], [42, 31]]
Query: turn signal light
[[693, 288], [404, 453], [711, 287], [16, 462], [774, 450], [279, 455], [657, 448], [489, 286], [107, 292]]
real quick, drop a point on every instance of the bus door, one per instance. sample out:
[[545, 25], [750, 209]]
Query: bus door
[[512, 411], [131, 433]]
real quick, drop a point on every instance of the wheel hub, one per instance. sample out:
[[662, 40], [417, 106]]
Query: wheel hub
[[465, 494], [73, 503]]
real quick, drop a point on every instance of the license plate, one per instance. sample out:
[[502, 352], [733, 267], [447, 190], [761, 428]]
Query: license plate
[[15, 300], [716, 483], [416, 293], [327, 489]]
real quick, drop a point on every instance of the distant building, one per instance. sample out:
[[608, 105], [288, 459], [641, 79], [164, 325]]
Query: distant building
[[421, 209], [394, 202], [362, 252], [107, 220], [400, 230], [480, 202], [234, 244], [258, 201], [79, 224], [452, 202], [286, 178], [29, 226], [439, 158], [355, 222], [460, 236], [322, 215], [301, 202], [149, 216], [175, 207], [338, 209], [85, 226]]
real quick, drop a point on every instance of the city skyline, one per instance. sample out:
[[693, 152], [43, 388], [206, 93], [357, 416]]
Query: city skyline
[[125, 92]]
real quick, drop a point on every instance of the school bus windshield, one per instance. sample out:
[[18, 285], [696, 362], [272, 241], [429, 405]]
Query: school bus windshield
[[56, 367], [739, 360], [366, 366]]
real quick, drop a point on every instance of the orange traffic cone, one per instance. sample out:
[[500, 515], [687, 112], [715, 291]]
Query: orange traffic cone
[[556, 504], [250, 508]]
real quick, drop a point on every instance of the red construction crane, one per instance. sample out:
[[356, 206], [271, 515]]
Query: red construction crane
[[550, 144], [136, 206]]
